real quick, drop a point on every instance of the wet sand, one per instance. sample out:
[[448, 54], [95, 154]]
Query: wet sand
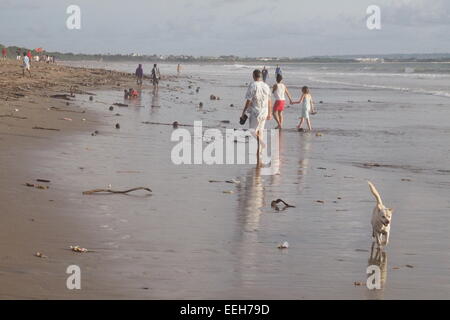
[[189, 239]]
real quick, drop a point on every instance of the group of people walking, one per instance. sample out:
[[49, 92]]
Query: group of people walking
[[155, 76], [258, 103]]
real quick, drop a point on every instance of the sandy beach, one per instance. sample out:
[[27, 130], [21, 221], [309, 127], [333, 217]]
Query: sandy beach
[[197, 236]]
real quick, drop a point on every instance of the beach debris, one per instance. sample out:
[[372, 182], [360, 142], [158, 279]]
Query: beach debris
[[120, 104], [320, 201], [395, 268], [200, 105], [78, 249], [111, 108], [232, 105], [274, 205], [358, 283], [62, 96], [197, 90], [109, 190], [43, 180], [117, 126], [91, 98], [40, 255], [66, 110], [321, 168], [175, 124], [320, 101], [233, 181], [225, 121], [228, 191], [283, 245], [213, 97], [319, 134], [406, 179], [66, 119], [409, 266], [37, 186], [371, 164], [12, 116], [42, 128], [94, 133]]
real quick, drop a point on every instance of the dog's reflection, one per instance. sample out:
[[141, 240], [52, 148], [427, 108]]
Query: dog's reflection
[[378, 257]]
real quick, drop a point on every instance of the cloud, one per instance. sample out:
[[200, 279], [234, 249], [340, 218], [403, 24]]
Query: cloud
[[243, 27]]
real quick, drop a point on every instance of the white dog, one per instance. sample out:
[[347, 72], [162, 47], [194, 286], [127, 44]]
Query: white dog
[[381, 219]]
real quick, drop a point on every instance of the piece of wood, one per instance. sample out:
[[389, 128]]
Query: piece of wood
[[42, 128], [66, 110], [11, 116], [115, 191]]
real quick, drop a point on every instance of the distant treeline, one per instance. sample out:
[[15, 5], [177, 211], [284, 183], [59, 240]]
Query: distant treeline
[[12, 52]]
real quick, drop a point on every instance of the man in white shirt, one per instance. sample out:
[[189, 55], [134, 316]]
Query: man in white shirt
[[26, 64], [259, 106]]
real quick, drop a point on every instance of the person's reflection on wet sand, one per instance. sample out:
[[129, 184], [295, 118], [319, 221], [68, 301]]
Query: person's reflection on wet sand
[[251, 199], [304, 156], [155, 100]]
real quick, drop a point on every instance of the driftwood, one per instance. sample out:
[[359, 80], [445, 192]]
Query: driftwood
[[11, 116], [42, 128], [175, 124], [115, 191], [62, 96], [66, 110], [120, 104]]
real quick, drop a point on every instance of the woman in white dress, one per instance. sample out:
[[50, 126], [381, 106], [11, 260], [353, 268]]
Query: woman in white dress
[[307, 107]]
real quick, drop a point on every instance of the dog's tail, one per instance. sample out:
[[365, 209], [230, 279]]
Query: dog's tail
[[375, 193]]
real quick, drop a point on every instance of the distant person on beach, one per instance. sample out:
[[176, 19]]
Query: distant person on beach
[[265, 73], [4, 53], [126, 95], [156, 76], [26, 65], [18, 54], [307, 107], [280, 91], [178, 69], [259, 105], [139, 74], [278, 71]]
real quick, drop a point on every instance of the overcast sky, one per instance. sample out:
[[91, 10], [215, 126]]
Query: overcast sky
[[294, 28]]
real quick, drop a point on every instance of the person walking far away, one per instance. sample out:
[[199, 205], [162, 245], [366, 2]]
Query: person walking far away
[[265, 73], [139, 74], [156, 76], [26, 65], [278, 71]]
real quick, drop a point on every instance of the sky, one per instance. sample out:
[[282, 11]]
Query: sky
[[254, 28]]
